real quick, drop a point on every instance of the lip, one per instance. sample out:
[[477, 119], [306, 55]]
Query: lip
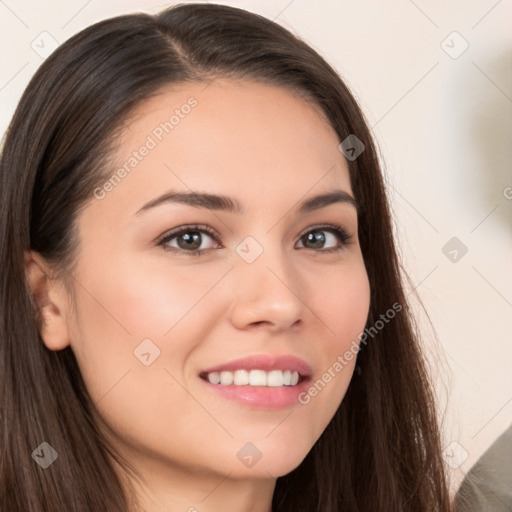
[[262, 397]]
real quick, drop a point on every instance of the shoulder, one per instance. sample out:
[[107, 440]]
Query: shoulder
[[487, 487]]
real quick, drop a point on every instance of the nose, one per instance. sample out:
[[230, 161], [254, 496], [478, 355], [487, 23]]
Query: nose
[[266, 294]]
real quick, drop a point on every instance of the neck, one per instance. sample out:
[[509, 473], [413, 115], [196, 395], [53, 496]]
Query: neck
[[164, 488]]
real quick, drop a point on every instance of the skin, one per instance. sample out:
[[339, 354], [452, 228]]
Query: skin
[[270, 150]]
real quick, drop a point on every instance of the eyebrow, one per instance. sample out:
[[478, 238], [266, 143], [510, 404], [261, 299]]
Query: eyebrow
[[230, 205]]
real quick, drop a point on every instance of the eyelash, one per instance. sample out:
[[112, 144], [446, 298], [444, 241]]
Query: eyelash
[[342, 235]]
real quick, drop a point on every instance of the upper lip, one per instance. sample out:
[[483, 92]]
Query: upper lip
[[264, 362]]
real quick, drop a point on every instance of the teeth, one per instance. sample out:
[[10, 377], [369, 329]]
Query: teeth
[[274, 378], [226, 378], [257, 378], [214, 377], [241, 378]]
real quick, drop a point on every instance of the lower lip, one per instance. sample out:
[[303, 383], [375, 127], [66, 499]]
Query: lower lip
[[263, 397]]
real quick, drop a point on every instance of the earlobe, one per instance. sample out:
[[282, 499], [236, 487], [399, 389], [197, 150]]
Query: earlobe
[[50, 299]]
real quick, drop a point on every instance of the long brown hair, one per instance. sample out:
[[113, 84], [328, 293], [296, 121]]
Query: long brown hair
[[382, 449]]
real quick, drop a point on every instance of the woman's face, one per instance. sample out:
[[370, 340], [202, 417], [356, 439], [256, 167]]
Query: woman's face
[[276, 281]]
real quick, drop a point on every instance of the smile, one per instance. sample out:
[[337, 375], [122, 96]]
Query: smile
[[273, 378]]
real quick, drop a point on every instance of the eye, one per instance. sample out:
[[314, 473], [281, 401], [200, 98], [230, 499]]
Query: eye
[[317, 237], [188, 238]]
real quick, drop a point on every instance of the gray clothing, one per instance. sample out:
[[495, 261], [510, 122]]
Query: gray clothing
[[487, 487]]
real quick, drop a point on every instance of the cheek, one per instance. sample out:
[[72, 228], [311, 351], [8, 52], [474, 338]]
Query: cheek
[[145, 301], [119, 311], [121, 308], [344, 303], [156, 300]]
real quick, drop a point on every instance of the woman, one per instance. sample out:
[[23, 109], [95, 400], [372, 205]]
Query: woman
[[171, 340]]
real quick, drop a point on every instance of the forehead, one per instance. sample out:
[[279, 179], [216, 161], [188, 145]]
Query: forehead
[[241, 138]]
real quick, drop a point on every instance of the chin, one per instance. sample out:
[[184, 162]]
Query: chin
[[265, 460]]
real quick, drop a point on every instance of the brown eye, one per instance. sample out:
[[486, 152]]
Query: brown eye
[[317, 238], [189, 239]]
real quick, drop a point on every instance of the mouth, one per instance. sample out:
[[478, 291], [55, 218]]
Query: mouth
[[262, 381], [256, 377]]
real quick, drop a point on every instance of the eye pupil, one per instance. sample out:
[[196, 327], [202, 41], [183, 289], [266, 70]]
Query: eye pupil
[[317, 238], [190, 240]]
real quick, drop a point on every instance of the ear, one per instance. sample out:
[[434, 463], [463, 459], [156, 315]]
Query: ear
[[50, 297]]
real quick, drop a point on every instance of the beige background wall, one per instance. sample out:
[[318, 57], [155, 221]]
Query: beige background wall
[[435, 80]]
